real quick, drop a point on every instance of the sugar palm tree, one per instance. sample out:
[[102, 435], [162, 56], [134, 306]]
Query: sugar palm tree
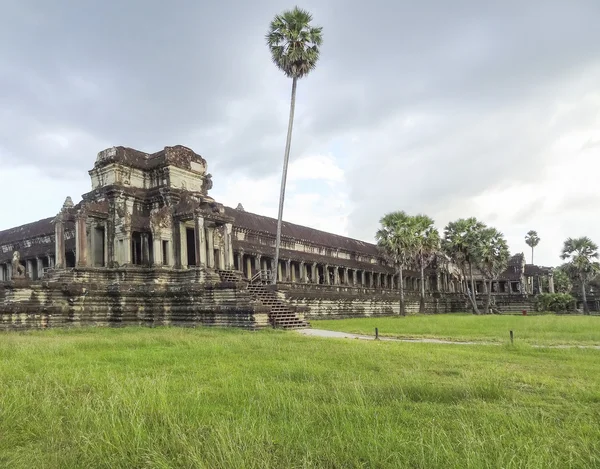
[[396, 241], [532, 240], [492, 256], [427, 243], [294, 46], [581, 254], [461, 240]]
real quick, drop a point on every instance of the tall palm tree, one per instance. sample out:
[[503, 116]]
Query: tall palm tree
[[532, 240], [461, 239], [427, 243], [396, 241], [492, 256], [580, 254], [294, 46]]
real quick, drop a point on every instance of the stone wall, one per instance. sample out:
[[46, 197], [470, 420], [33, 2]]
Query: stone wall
[[116, 297], [337, 302]]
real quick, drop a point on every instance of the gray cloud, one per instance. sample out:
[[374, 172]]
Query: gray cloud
[[425, 105]]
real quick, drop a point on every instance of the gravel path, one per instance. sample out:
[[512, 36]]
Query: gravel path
[[347, 335]]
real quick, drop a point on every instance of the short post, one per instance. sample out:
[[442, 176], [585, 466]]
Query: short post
[[511, 337], [376, 333]]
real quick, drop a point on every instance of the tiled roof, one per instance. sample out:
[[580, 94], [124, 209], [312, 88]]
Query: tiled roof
[[30, 230], [254, 222]]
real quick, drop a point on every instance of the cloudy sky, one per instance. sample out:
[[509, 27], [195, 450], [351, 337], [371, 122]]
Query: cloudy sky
[[454, 109]]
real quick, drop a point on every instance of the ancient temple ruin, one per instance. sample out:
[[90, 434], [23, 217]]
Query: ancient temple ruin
[[148, 245]]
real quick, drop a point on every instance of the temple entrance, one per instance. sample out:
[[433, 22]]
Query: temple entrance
[[217, 259], [70, 259], [165, 252], [141, 248], [136, 248], [191, 246], [98, 246]]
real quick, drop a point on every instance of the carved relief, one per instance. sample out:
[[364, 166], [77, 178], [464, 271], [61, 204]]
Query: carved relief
[[160, 218]]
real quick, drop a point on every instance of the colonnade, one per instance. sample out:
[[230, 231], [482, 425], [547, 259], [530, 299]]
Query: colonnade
[[297, 271], [34, 267]]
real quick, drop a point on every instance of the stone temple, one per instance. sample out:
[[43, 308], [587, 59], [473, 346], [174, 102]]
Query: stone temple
[[148, 245]]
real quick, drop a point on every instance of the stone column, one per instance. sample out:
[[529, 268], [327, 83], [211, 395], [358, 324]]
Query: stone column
[[40, 267], [210, 247], [314, 274], [228, 246], [346, 282], [200, 240], [157, 249], [145, 248], [257, 265], [288, 266], [336, 275], [9, 271], [249, 267], [303, 276], [240, 261], [326, 272], [293, 270], [279, 271], [551, 283], [59, 242], [80, 240], [177, 248]]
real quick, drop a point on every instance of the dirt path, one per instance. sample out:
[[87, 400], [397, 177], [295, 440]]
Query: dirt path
[[347, 335]]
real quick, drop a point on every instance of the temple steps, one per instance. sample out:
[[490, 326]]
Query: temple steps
[[282, 314]]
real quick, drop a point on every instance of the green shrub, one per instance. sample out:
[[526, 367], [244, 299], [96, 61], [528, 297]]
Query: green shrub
[[555, 302]]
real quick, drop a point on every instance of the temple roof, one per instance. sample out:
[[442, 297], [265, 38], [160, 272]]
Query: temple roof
[[27, 231], [177, 155], [254, 222], [532, 270]]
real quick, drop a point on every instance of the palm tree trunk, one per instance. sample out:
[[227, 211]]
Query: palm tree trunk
[[586, 310], [286, 158], [488, 298], [531, 255], [474, 297], [401, 283], [422, 301]]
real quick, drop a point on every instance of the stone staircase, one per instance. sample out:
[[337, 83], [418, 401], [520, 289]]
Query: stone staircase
[[282, 314]]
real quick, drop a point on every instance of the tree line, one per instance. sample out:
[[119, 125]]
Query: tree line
[[295, 43], [412, 242]]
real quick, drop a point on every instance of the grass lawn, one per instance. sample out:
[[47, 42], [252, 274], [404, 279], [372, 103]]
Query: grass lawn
[[541, 329], [207, 398]]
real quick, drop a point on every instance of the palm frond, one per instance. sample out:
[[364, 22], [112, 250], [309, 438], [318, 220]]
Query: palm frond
[[294, 43]]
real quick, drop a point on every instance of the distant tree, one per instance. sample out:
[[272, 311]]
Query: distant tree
[[396, 240], [294, 46], [581, 254], [532, 239], [562, 279], [427, 244], [491, 254], [461, 242]]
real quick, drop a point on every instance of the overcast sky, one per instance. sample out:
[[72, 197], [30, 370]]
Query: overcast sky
[[454, 109]]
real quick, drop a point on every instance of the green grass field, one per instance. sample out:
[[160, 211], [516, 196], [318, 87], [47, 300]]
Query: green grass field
[[204, 398], [543, 329]]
